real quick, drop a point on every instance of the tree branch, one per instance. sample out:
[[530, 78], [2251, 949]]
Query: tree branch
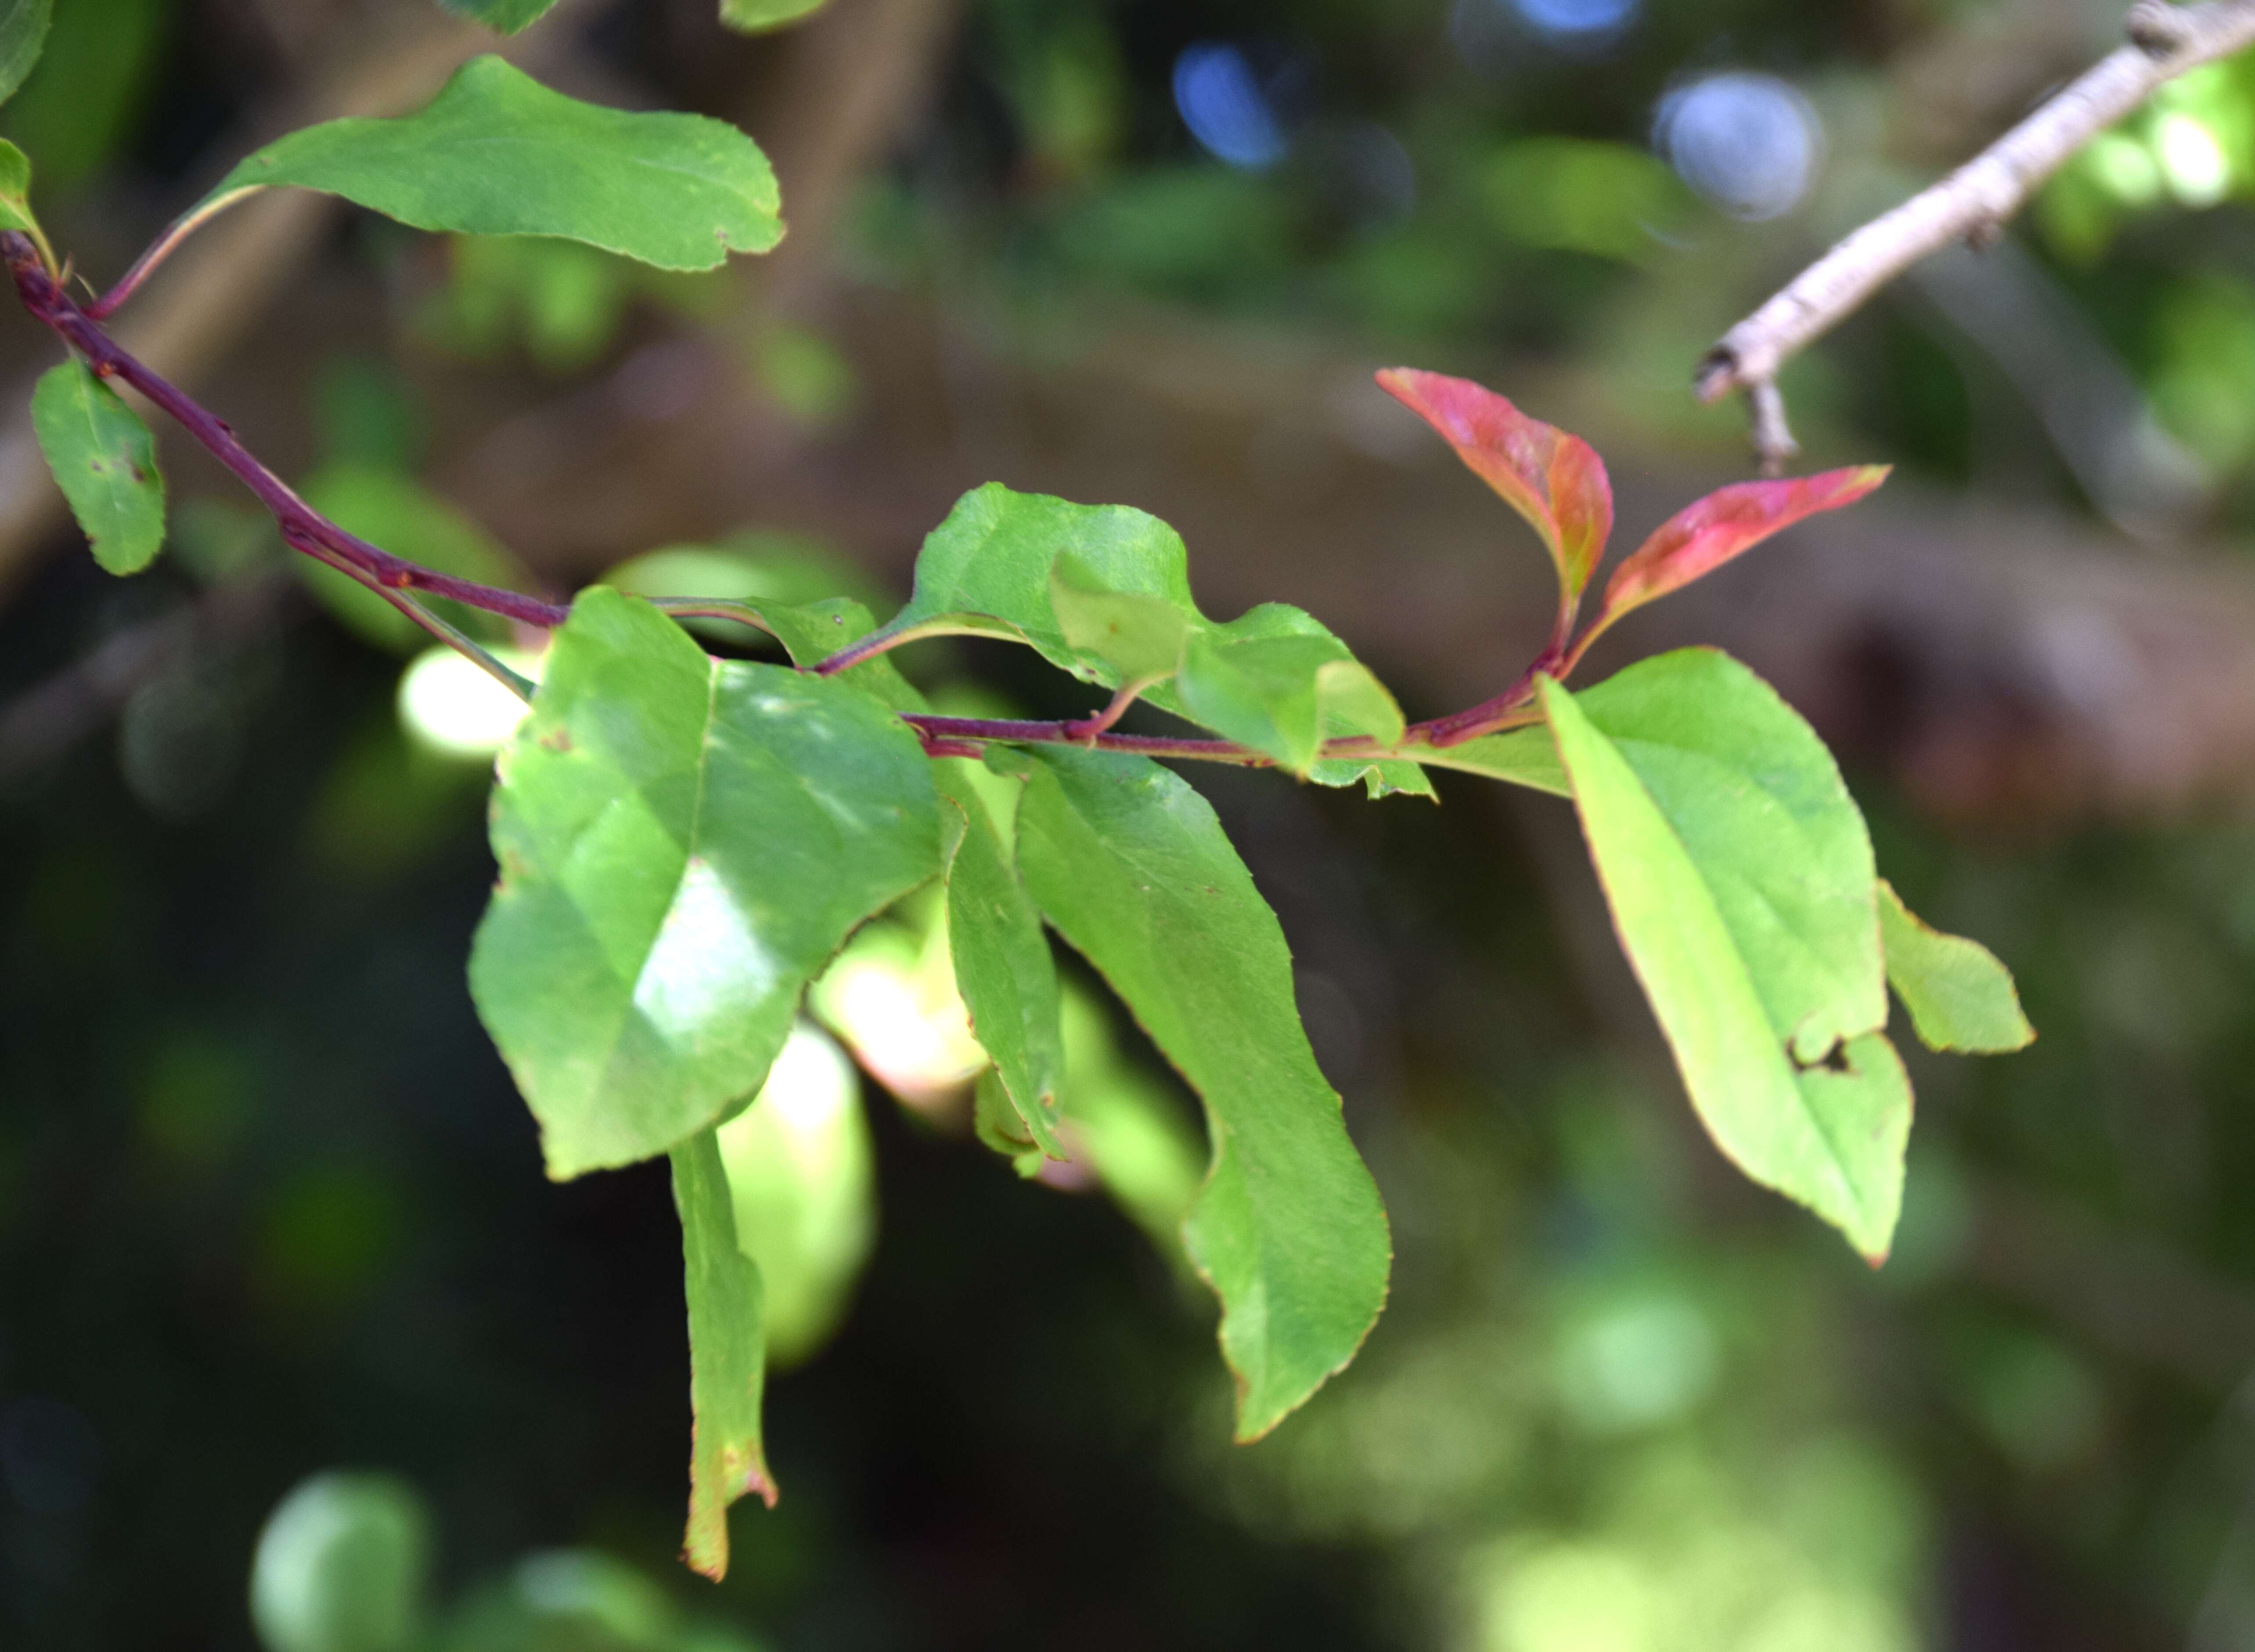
[[1972, 204]]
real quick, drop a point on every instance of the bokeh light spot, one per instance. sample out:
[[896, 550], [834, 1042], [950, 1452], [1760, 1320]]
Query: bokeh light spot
[[1749, 143], [1221, 100]]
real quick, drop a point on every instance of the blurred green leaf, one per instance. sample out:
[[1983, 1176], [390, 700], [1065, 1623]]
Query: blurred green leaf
[[498, 153], [1739, 875], [801, 1187], [1003, 967], [397, 513], [1132, 867], [342, 1566], [81, 100], [683, 842], [22, 36], [1959, 996], [507, 16], [1133, 1130], [728, 1353], [753, 17], [105, 461], [16, 193]]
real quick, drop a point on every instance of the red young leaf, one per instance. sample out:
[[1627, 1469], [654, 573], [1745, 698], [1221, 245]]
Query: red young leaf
[[1702, 536], [1554, 480]]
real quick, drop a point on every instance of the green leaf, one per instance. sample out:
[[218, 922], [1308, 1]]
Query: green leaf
[[802, 1187], [397, 513], [683, 842], [1286, 695], [499, 154], [727, 1354], [1132, 1129], [1739, 875], [22, 36], [341, 1565], [507, 16], [105, 461], [1003, 967], [16, 197], [1138, 638], [1959, 996], [755, 16], [1130, 864], [1524, 757]]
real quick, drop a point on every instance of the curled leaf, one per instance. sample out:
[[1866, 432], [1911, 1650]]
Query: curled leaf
[[1702, 536], [1554, 480]]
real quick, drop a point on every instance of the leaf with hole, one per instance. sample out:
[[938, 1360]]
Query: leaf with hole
[[727, 1354], [1959, 996], [1739, 875], [683, 842], [105, 461], [1131, 866], [499, 154]]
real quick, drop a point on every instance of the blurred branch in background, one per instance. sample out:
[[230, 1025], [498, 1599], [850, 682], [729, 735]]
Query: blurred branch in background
[[1972, 205], [368, 62]]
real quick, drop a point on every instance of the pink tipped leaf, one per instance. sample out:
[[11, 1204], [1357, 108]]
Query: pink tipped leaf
[[1554, 480], [1702, 536]]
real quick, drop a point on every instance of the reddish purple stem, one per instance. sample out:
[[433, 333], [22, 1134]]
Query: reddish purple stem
[[306, 530], [303, 528]]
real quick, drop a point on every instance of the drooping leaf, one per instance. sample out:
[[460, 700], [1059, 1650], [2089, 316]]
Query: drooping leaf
[[22, 36], [803, 1188], [727, 1354], [1523, 756], [1959, 996], [499, 154], [105, 461], [1003, 967], [1706, 534], [1555, 480], [683, 842], [507, 16], [1130, 864], [1739, 875], [390, 509], [342, 1565], [755, 17]]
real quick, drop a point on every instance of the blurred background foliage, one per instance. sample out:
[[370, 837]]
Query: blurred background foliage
[[270, 1210]]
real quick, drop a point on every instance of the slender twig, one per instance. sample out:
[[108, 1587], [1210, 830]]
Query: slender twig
[[303, 528], [398, 579], [1972, 204]]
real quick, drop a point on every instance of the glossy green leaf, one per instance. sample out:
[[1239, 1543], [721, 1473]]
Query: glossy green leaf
[[1959, 996], [755, 17], [507, 16], [395, 511], [22, 36], [342, 1565], [801, 1178], [1129, 863], [683, 842], [1523, 756], [1003, 967], [727, 1354], [1739, 875], [105, 461], [499, 154]]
